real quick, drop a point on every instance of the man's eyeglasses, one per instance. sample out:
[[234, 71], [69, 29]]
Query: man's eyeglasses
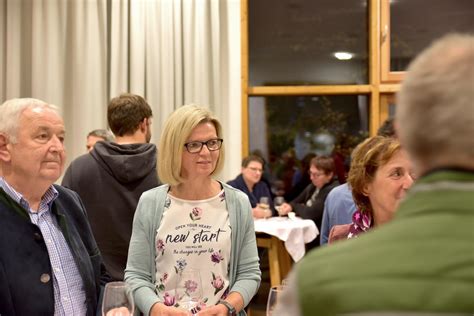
[[211, 144], [255, 169], [315, 174]]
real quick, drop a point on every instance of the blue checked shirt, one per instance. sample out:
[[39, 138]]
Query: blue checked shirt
[[69, 296]]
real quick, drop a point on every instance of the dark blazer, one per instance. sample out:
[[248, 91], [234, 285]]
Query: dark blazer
[[315, 211], [260, 189], [26, 284]]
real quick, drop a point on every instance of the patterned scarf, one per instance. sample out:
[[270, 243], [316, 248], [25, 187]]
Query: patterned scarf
[[361, 222]]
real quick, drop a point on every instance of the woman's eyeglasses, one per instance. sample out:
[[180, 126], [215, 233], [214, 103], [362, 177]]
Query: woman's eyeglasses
[[211, 144]]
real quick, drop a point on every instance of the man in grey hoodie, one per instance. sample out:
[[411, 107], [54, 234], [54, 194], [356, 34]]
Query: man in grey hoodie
[[111, 178]]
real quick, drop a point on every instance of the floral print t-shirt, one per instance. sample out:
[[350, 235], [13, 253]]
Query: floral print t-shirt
[[193, 236]]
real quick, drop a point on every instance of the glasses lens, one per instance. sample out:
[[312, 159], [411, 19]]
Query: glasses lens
[[194, 147], [213, 144]]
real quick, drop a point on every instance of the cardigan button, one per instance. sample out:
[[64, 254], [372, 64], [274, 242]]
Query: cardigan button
[[45, 278], [38, 236]]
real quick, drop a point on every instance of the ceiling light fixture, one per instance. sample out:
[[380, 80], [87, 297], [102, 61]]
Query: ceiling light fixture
[[343, 55]]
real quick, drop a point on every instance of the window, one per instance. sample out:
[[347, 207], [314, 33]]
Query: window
[[322, 42], [286, 129], [410, 26], [293, 86]]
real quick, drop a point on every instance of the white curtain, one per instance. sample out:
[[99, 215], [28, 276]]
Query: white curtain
[[79, 54]]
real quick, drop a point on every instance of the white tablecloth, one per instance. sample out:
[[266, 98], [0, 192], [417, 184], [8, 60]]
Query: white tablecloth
[[294, 232]]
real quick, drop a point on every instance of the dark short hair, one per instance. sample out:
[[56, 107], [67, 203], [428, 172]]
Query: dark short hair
[[387, 129], [249, 159], [324, 163], [126, 112]]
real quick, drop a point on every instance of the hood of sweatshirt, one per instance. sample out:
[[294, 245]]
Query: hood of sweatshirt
[[128, 162]]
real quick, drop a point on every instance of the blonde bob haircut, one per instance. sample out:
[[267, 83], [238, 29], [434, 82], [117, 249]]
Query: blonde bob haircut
[[174, 135], [367, 158]]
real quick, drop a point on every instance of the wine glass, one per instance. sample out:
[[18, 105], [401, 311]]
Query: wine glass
[[118, 300], [273, 295], [277, 202], [264, 204], [189, 289]]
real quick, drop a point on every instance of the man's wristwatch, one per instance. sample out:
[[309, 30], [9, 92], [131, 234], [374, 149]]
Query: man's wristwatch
[[230, 308]]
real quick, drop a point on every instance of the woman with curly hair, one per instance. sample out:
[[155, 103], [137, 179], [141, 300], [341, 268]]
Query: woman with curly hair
[[379, 177]]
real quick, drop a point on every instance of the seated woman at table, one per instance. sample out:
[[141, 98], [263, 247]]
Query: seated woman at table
[[310, 203], [192, 223], [249, 182], [380, 175]]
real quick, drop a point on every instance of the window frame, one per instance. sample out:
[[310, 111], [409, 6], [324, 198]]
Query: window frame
[[387, 76], [375, 88]]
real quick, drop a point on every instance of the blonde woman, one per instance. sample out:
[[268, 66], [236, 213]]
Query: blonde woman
[[193, 222]]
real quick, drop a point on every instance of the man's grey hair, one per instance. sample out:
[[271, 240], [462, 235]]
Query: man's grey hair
[[435, 110], [11, 110], [102, 133]]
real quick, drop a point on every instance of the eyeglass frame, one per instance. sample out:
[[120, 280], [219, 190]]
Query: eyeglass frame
[[220, 140], [316, 174], [253, 169]]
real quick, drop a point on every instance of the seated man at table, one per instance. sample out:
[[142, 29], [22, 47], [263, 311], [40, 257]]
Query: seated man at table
[[249, 182]]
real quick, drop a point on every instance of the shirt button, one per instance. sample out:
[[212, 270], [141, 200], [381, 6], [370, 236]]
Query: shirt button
[[45, 278], [38, 236]]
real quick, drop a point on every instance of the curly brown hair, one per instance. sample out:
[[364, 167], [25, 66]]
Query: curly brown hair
[[367, 158]]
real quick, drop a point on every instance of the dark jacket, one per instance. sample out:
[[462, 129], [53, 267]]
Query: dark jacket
[[260, 189], [315, 211], [26, 284], [298, 187], [110, 180]]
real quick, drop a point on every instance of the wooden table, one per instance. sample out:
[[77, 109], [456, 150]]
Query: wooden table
[[285, 240], [278, 258]]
